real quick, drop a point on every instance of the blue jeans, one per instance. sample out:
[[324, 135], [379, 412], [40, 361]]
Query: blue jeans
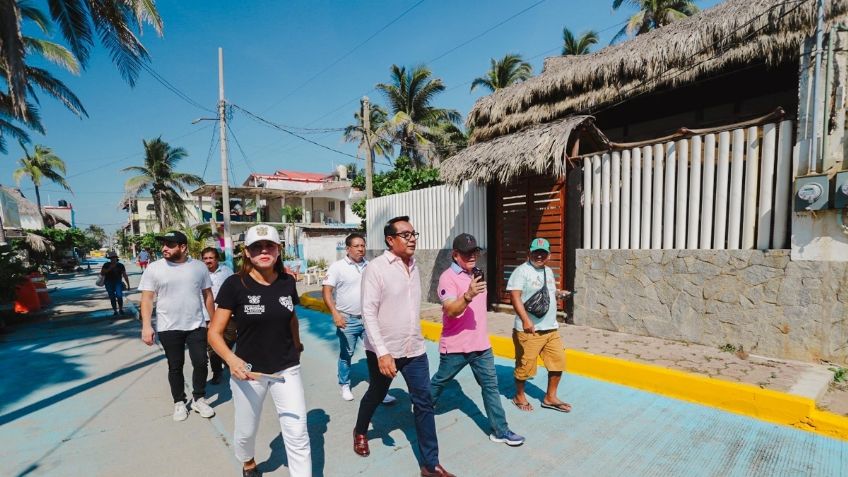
[[483, 366], [348, 337], [116, 294], [416, 373]]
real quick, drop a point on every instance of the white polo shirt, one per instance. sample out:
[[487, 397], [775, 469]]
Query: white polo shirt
[[218, 276], [345, 276]]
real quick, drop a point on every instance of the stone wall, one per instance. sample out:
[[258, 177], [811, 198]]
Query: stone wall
[[760, 300], [431, 264]]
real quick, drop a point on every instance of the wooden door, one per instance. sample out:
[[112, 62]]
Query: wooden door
[[524, 209]]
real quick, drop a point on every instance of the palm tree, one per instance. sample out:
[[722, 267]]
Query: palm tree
[[80, 22], [355, 133], [197, 236], [37, 78], [508, 70], [166, 185], [410, 94], [653, 14], [42, 164], [578, 46]]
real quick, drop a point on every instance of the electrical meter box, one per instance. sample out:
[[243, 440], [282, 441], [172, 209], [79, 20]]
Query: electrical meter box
[[811, 193], [840, 192]]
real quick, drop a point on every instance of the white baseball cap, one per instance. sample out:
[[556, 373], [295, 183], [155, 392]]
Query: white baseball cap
[[261, 232]]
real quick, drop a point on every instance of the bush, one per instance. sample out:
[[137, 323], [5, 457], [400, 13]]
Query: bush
[[12, 272]]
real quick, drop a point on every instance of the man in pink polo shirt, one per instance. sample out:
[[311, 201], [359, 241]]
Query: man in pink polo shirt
[[465, 338]]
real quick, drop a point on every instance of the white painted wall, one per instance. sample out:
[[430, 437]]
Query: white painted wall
[[439, 213]]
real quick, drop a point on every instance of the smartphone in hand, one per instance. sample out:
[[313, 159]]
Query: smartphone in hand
[[477, 273]]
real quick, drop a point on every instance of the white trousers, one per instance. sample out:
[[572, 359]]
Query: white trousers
[[289, 400]]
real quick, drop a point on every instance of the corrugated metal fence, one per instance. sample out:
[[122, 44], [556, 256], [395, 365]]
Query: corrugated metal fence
[[729, 190], [438, 213]]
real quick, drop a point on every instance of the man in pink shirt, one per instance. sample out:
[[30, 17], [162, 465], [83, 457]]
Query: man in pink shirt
[[391, 305], [465, 338]]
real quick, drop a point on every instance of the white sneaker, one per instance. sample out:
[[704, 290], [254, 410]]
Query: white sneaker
[[200, 406], [346, 394], [180, 411], [389, 399]]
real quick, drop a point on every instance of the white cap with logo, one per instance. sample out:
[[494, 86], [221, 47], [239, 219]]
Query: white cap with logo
[[261, 232]]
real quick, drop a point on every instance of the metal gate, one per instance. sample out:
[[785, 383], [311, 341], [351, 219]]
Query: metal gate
[[524, 209]]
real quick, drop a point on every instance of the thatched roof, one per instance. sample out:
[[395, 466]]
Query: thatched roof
[[25, 207], [732, 33], [541, 149]]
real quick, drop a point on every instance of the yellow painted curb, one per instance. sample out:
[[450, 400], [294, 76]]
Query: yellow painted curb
[[745, 399]]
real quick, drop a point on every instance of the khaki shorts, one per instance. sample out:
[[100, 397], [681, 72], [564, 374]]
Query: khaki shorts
[[530, 346]]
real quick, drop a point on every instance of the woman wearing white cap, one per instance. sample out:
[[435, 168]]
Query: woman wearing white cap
[[261, 298]]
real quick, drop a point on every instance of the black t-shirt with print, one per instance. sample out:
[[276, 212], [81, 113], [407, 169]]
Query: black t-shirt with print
[[263, 315]]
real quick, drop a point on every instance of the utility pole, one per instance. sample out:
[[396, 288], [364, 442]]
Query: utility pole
[[225, 187], [369, 159]]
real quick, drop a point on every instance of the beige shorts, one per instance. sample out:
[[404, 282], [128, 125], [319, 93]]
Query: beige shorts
[[530, 346]]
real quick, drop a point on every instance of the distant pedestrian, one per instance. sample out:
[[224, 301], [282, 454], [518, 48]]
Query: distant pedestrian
[[536, 335], [217, 273], [391, 309], [465, 335], [114, 276], [143, 259], [182, 288], [342, 294], [260, 299]]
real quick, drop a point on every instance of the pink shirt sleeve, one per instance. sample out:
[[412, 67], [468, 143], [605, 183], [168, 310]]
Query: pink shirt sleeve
[[371, 295], [447, 286]]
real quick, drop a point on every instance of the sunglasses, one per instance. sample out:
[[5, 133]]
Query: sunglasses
[[257, 247]]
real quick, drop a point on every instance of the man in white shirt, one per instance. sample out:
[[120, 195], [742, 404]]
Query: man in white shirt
[[179, 318], [341, 291], [217, 273]]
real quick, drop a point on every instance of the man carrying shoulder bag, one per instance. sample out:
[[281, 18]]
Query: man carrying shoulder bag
[[533, 293]]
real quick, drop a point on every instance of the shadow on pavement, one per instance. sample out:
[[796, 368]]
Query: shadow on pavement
[[37, 406], [454, 398], [316, 422]]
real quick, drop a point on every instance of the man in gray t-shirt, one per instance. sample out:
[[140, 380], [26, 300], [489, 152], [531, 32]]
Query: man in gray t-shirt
[[182, 288]]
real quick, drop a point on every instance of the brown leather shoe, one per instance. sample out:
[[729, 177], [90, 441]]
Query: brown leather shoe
[[439, 472], [360, 444]]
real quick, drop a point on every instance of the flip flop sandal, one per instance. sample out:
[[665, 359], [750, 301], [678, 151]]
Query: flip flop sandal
[[524, 406], [560, 406]]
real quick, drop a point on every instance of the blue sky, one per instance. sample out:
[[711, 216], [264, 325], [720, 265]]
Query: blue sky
[[273, 52]]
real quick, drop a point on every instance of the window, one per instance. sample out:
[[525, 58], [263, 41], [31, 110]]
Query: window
[[332, 206]]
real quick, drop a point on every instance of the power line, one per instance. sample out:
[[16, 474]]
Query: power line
[[484, 32], [280, 128], [167, 84], [243, 155], [339, 59], [125, 157], [212, 144]]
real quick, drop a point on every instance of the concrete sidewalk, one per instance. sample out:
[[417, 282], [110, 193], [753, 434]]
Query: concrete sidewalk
[[88, 398], [786, 392]]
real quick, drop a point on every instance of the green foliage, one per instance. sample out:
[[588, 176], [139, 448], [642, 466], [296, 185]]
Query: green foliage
[[840, 374], [727, 348], [572, 45], [292, 214], [67, 239], [147, 240], [320, 263], [403, 178], [12, 272], [97, 234], [509, 70]]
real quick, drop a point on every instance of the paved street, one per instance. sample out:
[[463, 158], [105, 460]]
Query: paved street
[[83, 396]]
